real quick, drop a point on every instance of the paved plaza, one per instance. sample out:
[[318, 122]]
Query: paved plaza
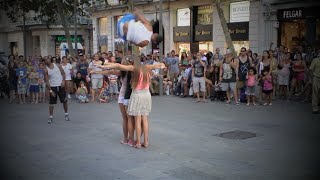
[[184, 142]]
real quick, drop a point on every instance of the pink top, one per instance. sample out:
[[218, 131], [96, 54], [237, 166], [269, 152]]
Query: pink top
[[251, 80], [267, 83], [140, 85]]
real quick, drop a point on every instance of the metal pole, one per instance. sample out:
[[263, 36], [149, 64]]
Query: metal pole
[[160, 49], [24, 37], [75, 28]]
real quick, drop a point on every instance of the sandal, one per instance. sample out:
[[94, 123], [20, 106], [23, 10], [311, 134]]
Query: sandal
[[228, 102], [131, 143], [145, 145], [138, 146], [124, 141]]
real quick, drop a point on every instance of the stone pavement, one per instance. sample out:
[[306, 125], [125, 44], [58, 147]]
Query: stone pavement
[[183, 142]]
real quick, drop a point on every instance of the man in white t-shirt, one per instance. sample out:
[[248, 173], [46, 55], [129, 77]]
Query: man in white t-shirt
[[68, 70], [137, 29]]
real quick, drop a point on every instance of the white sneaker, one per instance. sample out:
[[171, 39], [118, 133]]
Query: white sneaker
[[69, 96]]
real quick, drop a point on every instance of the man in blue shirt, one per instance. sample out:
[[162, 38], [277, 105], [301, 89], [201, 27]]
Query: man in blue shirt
[[21, 73]]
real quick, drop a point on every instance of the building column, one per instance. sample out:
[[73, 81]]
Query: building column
[[110, 30], [219, 40], [254, 40], [95, 26]]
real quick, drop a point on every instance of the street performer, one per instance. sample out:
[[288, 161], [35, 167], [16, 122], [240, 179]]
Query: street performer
[[134, 27]]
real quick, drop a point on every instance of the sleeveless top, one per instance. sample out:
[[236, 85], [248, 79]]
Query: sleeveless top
[[55, 77], [137, 32], [228, 73], [123, 86], [243, 69], [267, 84], [251, 81], [140, 85], [285, 71], [12, 70]]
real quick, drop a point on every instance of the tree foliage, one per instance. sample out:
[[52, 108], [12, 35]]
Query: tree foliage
[[46, 11]]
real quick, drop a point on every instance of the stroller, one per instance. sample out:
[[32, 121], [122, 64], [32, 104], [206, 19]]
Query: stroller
[[216, 93]]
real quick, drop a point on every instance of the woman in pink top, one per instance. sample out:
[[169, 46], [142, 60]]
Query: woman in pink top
[[140, 100]]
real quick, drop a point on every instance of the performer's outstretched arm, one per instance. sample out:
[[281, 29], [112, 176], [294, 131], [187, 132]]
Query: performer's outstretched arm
[[118, 66]]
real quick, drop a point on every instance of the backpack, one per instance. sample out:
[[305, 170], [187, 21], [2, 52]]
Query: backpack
[[242, 95]]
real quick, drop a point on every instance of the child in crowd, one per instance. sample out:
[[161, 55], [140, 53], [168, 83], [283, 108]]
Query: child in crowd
[[104, 94], [113, 87], [251, 86], [21, 73], [216, 93], [82, 92], [34, 86], [267, 87], [42, 84]]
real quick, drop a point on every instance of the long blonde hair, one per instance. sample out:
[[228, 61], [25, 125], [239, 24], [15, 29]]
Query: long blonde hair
[[139, 68]]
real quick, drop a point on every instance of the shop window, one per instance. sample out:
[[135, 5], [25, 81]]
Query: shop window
[[239, 44], [205, 14], [293, 33], [205, 46], [103, 26]]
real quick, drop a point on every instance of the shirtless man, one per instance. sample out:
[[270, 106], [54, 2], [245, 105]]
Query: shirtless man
[[137, 29]]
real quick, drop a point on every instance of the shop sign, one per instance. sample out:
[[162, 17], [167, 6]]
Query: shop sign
[[181, 34], [240, 11], [183, 17], [63, 38], [291, 14], [203, 32], [239, 31]]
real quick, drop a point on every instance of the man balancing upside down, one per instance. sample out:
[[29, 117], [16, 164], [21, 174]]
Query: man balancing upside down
[[137, 29]]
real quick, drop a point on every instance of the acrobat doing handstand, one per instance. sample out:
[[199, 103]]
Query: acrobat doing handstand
[[134, 27]]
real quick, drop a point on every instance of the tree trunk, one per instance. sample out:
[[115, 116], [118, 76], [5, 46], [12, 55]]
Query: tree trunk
[[225, 27], [65, 27]]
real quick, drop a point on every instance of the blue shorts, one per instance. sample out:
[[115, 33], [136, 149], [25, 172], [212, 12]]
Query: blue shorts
[[126, 18], [34, 88]]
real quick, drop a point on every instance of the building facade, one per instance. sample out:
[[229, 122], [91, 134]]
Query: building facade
[[292, 23], [188, 25], [40, 39]]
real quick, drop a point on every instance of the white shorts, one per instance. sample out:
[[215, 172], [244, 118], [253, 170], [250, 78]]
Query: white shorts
[[123, 101], [283, 79], [96, 83]]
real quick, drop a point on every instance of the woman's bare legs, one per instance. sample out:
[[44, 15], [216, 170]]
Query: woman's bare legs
[[138, 130], [124, 123], [145, 124], [131, 125]]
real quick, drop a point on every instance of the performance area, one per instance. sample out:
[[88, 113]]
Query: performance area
[[188, 140]]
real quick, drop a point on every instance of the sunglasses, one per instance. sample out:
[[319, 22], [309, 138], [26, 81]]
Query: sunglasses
[[243, 51]]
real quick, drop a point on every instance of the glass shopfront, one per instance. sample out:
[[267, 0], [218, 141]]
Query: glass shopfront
[[239, 33], [299, 27]]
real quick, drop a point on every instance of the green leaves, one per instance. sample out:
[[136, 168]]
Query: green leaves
[[44, 10]]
